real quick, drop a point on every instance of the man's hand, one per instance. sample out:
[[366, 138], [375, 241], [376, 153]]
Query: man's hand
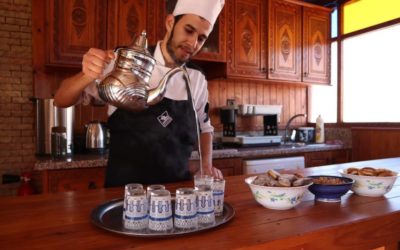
[[215, 172], [95, 61]]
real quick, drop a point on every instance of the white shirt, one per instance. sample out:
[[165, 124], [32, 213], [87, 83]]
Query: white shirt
[[176, 88]]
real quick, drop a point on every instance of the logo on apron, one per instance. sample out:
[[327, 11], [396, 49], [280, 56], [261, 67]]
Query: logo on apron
[[164, 119]]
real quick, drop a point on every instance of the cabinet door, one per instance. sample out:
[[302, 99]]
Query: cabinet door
[[284, 43], [228, 166], [322, 158], [74, 27], [246, 50], [74, 179], [126, 20], [340, 156], [316, 46], [314, 159]]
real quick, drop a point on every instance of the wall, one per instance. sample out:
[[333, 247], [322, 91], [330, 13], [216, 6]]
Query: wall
[[16, 111], [292, 97]]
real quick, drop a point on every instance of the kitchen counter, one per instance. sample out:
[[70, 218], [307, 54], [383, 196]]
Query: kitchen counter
[[62, 221], [88, 161]]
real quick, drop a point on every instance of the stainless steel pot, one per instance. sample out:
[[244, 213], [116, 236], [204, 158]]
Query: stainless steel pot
[[48, 116], [96, 137]]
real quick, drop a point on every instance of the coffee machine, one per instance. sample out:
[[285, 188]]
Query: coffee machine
[[231, 136]]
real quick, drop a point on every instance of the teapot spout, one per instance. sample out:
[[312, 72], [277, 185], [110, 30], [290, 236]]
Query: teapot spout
[[156, 95]]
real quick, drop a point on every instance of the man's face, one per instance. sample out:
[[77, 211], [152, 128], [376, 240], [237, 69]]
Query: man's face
[[187, 38]]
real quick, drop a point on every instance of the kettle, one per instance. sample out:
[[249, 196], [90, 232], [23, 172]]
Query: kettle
[[127, 85], [96, 137]]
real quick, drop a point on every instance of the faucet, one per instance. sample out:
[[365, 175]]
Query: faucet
[[286, 137]]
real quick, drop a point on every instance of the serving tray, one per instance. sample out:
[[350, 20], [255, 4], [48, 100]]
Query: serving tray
[[108, 216]]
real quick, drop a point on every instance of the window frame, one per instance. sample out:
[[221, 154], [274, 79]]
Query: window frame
[[339, 39]]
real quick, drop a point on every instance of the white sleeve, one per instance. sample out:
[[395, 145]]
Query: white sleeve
[[200, 95]]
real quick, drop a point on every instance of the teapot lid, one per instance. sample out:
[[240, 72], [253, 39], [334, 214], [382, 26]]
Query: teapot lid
[[140, 44]]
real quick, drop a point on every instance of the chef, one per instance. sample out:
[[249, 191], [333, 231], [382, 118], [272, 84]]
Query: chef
[[154, 145]]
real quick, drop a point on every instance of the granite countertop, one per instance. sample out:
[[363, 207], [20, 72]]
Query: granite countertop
[[89, 161]]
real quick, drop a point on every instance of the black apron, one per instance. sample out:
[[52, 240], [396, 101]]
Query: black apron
[[151, 146]]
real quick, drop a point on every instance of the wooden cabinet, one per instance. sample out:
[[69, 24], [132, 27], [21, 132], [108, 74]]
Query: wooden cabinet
[[74, 27], [321, 158], [126, 20], [77, 25], [295, 42], [284, 41], [316, 45], [246, 48], [72, 179], [228, 166]]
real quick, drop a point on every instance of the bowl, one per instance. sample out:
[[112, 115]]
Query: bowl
[[328, 188], [372, 186], [280, 198]]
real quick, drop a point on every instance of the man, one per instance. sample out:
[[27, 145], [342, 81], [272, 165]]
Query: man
[[154, 145]]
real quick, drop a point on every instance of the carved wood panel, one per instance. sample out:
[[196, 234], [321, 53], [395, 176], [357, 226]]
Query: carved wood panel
[[246, 53], [284, 48], [74, 27], [316, 46], [126, 20]]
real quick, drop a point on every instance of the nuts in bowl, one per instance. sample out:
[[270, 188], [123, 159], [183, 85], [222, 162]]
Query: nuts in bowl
[[370, 181], [278, 191], [329, 188]]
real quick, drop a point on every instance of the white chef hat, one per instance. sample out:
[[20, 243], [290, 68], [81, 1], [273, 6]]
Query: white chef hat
[[207, 9]]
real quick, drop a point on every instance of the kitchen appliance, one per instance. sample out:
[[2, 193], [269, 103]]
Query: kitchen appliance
[[305, 134], [261, 166], [228, 118], [249, 140], [49, 116], [127, 86], [96, 137], [270, 115]]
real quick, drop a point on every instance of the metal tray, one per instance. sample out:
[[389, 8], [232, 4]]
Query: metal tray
[[109, 217]]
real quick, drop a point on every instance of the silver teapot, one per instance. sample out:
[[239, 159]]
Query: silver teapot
[[127, 86]]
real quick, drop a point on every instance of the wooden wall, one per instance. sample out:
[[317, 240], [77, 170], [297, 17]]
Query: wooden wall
[[293, 98], [375, 143]]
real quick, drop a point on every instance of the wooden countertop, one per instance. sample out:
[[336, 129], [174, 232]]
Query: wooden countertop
[[62, 221]]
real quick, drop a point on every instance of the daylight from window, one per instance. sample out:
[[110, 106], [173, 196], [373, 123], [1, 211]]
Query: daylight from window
[[371, 76], [323, 99]]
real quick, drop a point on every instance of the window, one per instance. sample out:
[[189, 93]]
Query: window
[[323, 99], [366, 13], [371, 76]]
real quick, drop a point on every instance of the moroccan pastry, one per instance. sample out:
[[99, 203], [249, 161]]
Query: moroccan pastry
[[274, 174], [383, 172], [368, 171], [354, 171]]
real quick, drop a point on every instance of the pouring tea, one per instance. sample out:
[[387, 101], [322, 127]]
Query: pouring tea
[[127, 86]]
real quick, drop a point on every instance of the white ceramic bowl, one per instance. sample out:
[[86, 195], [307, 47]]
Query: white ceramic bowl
[[371, 185], [280, 198]]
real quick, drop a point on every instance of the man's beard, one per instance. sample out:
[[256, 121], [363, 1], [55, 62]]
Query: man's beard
[[172, 52]]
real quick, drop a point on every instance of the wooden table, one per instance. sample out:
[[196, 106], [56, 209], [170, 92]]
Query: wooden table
[[62, 221]]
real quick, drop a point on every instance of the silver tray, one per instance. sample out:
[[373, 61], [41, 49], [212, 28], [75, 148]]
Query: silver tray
[[109, 217]]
